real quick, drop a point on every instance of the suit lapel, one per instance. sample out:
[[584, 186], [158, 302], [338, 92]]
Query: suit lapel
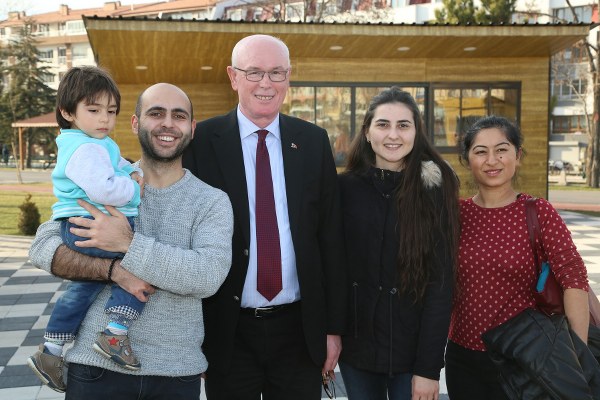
[[228, 148], [291, 149]]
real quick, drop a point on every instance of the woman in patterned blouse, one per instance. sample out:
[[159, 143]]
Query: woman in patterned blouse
[[496, 271]]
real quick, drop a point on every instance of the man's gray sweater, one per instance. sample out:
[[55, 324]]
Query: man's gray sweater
[[181, 245]]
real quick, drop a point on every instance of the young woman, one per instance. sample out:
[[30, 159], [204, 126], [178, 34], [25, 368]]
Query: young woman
[[400, 204], [496, 271]]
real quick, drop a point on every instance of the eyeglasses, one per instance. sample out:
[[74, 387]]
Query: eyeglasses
[[328, 386], [257, 76]]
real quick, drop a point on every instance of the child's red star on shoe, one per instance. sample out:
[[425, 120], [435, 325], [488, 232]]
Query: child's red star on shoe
[[113, 341]]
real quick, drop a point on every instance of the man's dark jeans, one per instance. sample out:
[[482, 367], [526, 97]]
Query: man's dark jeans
[[93, 383]]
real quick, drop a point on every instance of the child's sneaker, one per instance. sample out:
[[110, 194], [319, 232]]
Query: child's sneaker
[[118, 349], [49, 368]]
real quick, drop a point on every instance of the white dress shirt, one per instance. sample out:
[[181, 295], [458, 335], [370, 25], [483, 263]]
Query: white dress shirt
[[291, 289]]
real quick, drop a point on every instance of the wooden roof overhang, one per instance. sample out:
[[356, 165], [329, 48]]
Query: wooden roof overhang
[[41, 121], [175, 50]]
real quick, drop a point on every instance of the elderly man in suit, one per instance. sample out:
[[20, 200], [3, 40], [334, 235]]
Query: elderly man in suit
[[274, 326]]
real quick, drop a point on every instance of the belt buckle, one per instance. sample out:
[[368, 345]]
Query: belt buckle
[[259, 309]]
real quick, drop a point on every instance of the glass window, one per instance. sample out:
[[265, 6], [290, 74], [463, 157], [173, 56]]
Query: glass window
[[565, 124], [583, 13], [62, 55], [446, 113], [504, 102], [456, 109], [75, 27], [334, 112], [79, 51], [300, 103], [46, 55], [448, 109], [235, 14]]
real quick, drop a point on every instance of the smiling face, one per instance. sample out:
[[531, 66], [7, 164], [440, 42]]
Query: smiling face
[[165, 124], [493, 159], [259, 101], [96, 119], [392, 135]]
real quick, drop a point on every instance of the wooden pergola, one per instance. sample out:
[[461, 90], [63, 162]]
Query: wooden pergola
[[41, 121]]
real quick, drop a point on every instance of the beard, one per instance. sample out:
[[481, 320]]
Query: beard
[[145, 137]]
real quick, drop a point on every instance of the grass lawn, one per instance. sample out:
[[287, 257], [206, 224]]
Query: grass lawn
[[9, 208]]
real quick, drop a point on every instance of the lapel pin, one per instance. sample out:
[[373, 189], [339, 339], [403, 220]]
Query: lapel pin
[[294, 146]]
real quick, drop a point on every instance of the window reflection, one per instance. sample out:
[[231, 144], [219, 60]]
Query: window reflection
[[454, 107], [300, 103], [334, 109]]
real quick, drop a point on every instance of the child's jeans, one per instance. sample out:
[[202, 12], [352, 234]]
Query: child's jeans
[[71, 308]]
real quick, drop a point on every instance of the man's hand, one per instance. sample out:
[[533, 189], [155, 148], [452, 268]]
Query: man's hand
[[425, 389], [139, 179], [131, 283], [334, 348], [107, 232]]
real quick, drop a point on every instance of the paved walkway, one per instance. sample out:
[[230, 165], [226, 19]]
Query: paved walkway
[[27, 296]]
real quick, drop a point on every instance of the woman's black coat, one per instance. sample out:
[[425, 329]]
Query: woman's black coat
[[389, 332]]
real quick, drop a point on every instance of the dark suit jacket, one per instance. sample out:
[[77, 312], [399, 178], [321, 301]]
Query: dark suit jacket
[[215, 156]]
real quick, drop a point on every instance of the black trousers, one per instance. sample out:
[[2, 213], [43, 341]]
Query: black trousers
[[270, 357], [471, 375]]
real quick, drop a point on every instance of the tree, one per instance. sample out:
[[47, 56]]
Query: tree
[[29, 217], [464, 12], [496, 11], [460, 12], [24, 94]]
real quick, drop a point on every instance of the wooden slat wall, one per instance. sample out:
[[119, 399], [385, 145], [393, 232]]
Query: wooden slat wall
[[208, 101], [214, 99]]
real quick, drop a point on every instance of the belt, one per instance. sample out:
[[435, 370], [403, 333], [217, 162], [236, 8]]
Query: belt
[[262, 312]]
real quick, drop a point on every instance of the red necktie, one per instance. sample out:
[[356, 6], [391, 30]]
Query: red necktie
[[267, 232]]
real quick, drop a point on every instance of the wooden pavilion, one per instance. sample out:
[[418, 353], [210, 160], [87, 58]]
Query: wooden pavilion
[[456, 72], [40, 121]]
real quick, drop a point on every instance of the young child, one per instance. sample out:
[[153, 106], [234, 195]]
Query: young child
[[89, 167]]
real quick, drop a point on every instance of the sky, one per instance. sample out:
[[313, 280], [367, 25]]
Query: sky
[[32, 7]]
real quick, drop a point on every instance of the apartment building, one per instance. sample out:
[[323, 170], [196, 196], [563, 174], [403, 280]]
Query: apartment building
[[62, 37]]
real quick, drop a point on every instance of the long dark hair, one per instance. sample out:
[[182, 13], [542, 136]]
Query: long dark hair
[[418, 216]]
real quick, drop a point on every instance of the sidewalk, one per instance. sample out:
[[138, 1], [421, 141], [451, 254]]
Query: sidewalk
[[27, 296]]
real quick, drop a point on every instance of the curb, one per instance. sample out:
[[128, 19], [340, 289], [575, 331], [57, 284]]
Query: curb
[[576, 207]]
